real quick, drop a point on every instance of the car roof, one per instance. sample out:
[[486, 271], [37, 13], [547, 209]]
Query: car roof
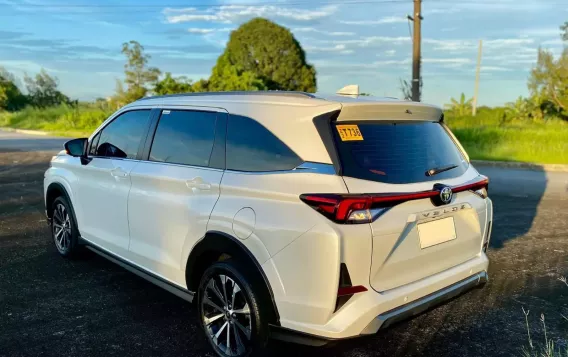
[[276, 97]]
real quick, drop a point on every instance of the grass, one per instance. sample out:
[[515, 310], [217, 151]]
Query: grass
[[61, 120], [547, 348], [487, 136]]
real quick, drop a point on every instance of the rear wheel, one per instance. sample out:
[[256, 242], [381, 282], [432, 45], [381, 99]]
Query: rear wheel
[[230, 312], [64, 228]]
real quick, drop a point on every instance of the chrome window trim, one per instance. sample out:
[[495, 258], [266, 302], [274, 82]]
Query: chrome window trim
[[181, 165], [304, 168]]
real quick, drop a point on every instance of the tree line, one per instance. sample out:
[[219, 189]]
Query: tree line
[[261, 55]]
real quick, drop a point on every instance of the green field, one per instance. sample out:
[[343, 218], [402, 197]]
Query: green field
[[486, 136]]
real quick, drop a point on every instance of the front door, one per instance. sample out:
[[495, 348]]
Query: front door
[[104, 183], [174, 191]]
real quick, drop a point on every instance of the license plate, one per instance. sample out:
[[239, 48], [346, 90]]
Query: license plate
[[436, 232]]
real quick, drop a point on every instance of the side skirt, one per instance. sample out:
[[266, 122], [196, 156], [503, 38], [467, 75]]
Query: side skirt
[[164, 284]]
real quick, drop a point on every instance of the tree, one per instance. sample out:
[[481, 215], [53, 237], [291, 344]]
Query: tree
[[226, 77], [564, 29], [261, 54], [461, 107], [139, 77], [171, 85], [518, 109], [201, 85], [42, 90], [549, 79], [406, 89], [11, 98]]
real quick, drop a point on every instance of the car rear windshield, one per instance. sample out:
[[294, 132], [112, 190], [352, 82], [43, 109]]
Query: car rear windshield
[[397, 152]]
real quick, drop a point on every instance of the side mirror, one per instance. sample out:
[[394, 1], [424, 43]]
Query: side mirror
[[76, 147]]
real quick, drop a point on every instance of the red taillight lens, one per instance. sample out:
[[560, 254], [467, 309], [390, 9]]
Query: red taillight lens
[[366, 208]]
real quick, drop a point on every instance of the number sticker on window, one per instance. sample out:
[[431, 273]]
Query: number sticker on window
[[349, 133]]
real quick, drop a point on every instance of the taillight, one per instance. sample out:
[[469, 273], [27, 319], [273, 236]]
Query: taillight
[[354, 208], [344, 208]]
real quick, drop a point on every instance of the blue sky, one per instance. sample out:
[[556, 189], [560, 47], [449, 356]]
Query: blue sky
[[364, 42]]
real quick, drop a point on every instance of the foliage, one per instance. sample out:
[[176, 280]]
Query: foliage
[[171, 85], [461, 107], [518, 109], [139, 78], [261, 54], [201, 85], [406, 89], [42, 90], [11, 98], [550, 79], [226, 77]]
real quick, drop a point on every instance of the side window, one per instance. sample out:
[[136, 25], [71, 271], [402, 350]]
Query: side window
[[122, 137], [184, 137], [252, 147]]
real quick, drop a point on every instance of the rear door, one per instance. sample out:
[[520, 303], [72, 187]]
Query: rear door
[[175, 188], [418, 237]]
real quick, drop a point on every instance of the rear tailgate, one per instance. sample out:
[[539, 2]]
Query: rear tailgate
[[416, 237]]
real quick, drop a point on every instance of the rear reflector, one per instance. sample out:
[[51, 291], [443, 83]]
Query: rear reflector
[[365, 208], [350, 290]]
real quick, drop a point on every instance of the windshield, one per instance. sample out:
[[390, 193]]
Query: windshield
[[398, 152]]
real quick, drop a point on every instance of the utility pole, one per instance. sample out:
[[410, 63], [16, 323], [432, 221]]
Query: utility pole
[[478, 69], [416, 56]]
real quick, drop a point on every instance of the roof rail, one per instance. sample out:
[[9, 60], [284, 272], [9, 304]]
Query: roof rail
[[274, 93]]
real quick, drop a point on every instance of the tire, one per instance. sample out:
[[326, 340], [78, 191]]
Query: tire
[[228, 315], [64, 231]]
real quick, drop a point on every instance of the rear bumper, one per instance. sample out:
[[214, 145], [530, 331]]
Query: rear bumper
[[417, 307], [390, 317]]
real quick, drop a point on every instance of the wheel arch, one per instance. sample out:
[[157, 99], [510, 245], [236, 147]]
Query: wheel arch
[[214, 247], [54, 190]]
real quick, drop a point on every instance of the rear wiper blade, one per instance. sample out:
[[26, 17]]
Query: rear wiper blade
[[438, 170]]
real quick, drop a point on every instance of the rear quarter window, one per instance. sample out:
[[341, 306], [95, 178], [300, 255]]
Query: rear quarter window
[[253, 148], [398, 152]]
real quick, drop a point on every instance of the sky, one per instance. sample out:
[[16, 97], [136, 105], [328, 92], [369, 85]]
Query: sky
[[364, 42]]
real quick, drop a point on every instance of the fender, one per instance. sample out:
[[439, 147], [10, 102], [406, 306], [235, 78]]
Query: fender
[[215, 244], [52, 192]]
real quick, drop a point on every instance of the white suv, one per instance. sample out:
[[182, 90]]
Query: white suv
[[302, 217]]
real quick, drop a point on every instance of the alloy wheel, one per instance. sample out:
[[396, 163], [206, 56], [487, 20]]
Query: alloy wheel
[[226, 315], [61, 228]]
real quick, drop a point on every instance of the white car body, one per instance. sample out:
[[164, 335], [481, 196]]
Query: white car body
[[152, 216]]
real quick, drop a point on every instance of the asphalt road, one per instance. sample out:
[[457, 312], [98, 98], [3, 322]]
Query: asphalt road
[[50, 306]]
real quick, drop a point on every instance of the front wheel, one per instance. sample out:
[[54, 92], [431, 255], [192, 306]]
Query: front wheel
[[230, 312], [64, 228]]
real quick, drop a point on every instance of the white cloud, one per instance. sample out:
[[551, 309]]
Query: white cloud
[[200, 31], [459, 61], [553, 42], [337, 48], [495, 69], [541, 32], [314, 30], [236, 13], [384, 20], [390, 52], [205, 31]]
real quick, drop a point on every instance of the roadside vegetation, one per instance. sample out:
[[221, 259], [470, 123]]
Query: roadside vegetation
[[533, 129]]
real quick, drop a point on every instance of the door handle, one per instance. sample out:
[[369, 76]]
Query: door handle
[[118, 172], [198, 183]]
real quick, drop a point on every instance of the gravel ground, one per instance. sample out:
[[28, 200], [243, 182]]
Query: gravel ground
[[50, 306]]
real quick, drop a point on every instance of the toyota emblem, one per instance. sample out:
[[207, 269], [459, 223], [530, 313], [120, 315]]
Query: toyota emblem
[[446, 195]]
